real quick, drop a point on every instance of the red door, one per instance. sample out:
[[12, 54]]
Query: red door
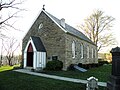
[[30, 55]]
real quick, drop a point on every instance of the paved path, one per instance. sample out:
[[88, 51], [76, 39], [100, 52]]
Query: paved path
[[58, 77]]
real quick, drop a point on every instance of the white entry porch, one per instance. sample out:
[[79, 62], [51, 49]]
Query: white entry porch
[[34, 54]]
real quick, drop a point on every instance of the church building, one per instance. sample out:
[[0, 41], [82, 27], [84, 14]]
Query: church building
[[51, 38]]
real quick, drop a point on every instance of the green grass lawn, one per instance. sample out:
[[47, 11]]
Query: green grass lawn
[[101, 73], [10, 80], [4, 68]]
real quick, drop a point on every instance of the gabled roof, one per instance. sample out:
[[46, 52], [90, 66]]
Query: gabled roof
[[38, 44], [68, 28]]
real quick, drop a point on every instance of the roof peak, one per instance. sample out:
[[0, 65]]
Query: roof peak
[[68, 28]]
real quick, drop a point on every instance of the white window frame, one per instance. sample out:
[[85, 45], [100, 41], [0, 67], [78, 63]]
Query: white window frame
[[73, 49], [88, 52], [95, 54], [40, 26], [92, 52], [81, 48]]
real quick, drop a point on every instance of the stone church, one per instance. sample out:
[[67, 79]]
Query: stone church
[[50, 38]]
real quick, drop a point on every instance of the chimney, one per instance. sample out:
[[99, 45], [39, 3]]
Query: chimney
[[62, 22]]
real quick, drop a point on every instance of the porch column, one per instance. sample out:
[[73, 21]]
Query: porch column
[[25, 59], [34, 59]]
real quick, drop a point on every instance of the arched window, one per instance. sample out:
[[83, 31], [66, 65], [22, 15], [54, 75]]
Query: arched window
[[40, 26], [73, 49], [88, 51], [81, 48], [92, 52], [95, 54]]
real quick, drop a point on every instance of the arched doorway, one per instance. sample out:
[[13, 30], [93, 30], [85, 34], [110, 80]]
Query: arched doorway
[[30, 56], [35, 53]]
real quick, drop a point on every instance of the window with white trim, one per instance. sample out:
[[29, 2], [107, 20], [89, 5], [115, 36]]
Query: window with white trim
[[40, 26], [81, 48], [73, 49], [92, 52], [88, 51], [95, 54]]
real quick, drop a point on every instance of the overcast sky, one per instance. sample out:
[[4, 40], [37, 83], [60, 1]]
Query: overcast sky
[[74, 12]]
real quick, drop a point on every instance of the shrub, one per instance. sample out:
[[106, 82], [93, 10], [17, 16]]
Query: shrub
[[80, 64], [54, 65], [71, 67], [88, 66], [85, 66], [95, 65], [102, 62], [17, 68]]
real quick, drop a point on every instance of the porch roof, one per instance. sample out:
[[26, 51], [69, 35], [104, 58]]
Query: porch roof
[[38, 44]]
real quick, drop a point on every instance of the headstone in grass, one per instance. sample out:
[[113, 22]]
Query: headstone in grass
[[79, 68], [114, 79], [92, 83]]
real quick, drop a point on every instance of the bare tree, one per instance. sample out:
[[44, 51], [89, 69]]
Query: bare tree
[[10, 47], [12, 9], [9, 10], [2, 37], [97, 27]]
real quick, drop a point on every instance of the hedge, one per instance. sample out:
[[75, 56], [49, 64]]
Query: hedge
[[54, 65]]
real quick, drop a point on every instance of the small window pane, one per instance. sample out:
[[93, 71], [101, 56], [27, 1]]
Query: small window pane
[[73, 49], [87, 51], [92, 52], [81, 50], [40, 26]]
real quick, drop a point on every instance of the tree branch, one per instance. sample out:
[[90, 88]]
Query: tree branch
[[95, 25], [10, 4]]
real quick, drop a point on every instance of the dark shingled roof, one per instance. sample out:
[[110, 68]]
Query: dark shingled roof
[[38, 44], [70, 29]]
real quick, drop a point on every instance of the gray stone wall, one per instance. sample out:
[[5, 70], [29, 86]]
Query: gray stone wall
[[52, 36], [70, 60]]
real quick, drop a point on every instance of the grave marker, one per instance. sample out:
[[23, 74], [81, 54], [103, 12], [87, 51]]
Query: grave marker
[[92, 83], [114, 80]]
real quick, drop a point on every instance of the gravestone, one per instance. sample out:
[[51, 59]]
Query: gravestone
[[79, 68], [114, 79], [92, 83]]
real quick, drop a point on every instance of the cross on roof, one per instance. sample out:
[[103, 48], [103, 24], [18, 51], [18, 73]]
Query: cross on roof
[[43, 7]]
